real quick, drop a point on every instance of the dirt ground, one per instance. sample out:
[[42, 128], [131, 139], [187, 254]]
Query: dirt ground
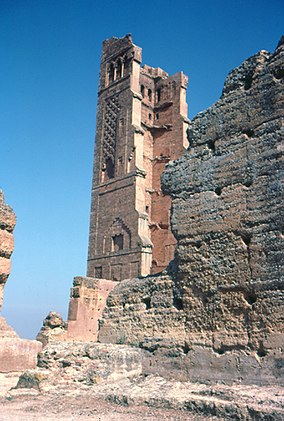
[[152, 399], [50, 409]]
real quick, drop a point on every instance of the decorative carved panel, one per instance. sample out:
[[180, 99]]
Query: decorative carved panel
[[110, 129]]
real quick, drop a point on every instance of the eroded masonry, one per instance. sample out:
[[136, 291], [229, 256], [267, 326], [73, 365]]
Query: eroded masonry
[[141, 125], [15, 354], [215, 313]]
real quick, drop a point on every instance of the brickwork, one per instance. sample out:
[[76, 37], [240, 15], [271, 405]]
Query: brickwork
[[141, 125]]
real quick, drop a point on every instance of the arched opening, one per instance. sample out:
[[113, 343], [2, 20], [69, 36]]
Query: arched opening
[[117, 242], [150, 94], [142, 90]]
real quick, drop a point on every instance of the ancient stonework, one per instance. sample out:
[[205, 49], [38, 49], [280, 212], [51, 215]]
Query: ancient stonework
[[87, 302], [141, 125], [54, 328], [218, 313], [7, 225], [15, 354]]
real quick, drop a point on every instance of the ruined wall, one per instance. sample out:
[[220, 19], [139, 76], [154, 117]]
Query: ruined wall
[[87, 301], [15, 354], [224, 307], [7, 225]]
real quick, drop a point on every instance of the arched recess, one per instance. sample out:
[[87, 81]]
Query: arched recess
[[118, 237]]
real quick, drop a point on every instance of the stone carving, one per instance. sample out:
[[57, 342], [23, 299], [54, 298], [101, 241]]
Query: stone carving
[[118, 230], [110, 129]]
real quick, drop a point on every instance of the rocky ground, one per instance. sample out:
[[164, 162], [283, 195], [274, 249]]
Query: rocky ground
[[140, 398]]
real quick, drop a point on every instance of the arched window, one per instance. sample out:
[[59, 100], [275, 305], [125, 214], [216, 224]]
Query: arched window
[[117, 242], [149, 94], [142, 90]]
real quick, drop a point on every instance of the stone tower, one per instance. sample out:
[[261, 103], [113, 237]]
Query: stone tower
[[141, 125]]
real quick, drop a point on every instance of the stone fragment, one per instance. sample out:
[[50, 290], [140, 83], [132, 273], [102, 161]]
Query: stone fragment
[[54, 327]]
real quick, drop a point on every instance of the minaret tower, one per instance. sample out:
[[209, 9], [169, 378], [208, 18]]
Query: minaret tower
[[141, 125]]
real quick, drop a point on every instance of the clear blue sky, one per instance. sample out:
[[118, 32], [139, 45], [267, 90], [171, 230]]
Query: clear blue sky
[[50, 53]]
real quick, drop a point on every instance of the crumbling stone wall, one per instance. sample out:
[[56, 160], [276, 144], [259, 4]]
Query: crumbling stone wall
[[15, 354], [7, 225], [227, 218]]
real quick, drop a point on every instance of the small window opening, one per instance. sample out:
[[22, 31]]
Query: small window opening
[[98, 272], [142, 90], [149, 94], [158, 95], [111, 73], [119, 69], [157, 116], [109, 168], [150, 116], [117, 242]]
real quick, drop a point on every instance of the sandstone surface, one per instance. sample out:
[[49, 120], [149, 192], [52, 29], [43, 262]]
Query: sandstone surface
[[217, 315], [80, 380], [54, 327], [15, 354], [7, 225]]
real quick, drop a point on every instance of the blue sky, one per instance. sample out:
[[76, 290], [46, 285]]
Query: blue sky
[[50, 53]]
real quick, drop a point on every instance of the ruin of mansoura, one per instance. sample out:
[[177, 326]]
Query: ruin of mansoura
[[141, 125], [182, 305]]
